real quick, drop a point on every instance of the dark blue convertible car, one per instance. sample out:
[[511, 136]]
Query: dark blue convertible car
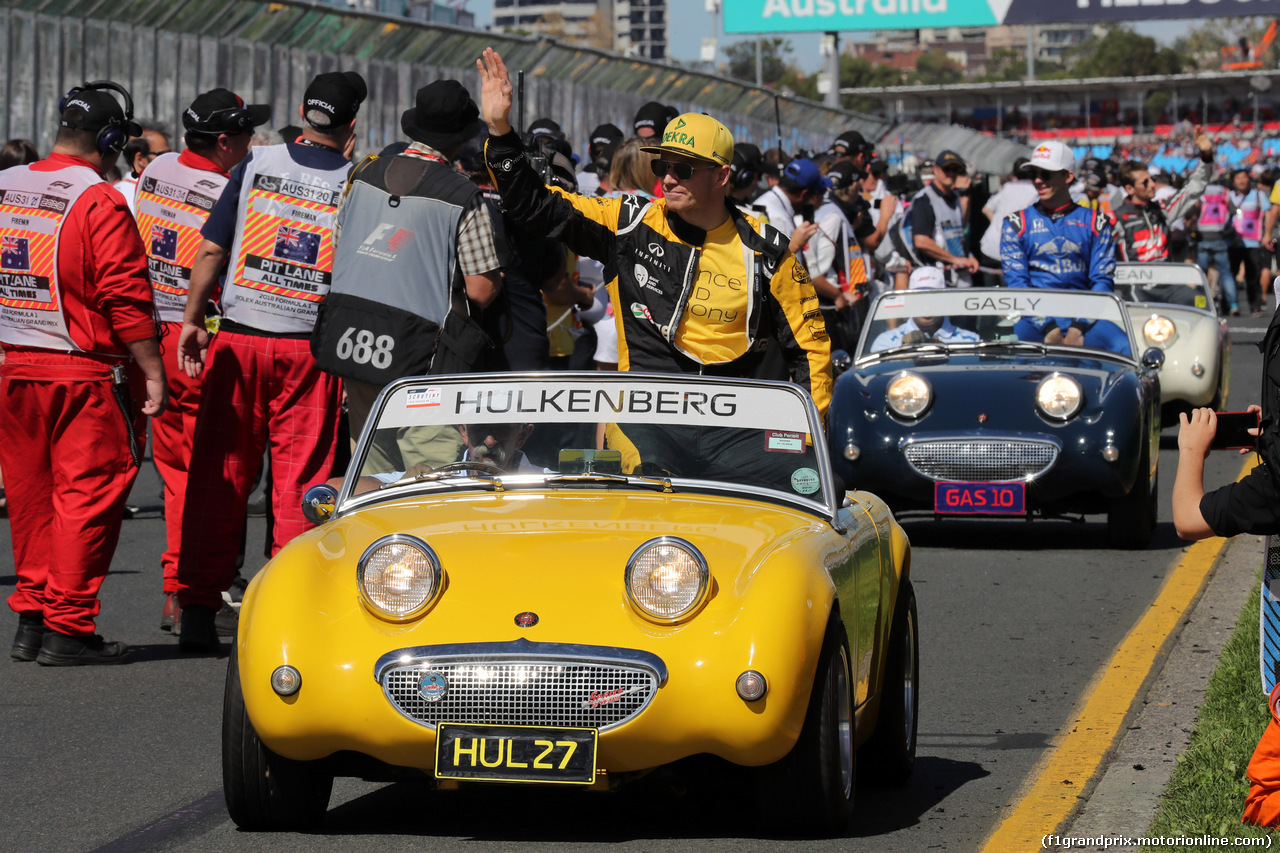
[[1002, 403]]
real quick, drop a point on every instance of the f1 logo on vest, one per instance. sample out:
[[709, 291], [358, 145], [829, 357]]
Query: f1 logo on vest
[[385, 241]]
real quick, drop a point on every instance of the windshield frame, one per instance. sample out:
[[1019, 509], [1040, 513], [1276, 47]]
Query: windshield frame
[[824, 503], [1122, 318], [1125, 269]]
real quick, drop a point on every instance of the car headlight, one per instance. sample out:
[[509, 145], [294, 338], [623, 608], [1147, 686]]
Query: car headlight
[[399, 577], [908, 395], [1159, 331], [1059, 397], [667, 579]]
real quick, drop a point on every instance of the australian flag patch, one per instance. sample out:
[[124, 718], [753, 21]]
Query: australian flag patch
[[15, 253], [164, 243], [297, 245]]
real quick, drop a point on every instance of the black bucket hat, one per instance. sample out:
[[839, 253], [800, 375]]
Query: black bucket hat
[[443, 115]]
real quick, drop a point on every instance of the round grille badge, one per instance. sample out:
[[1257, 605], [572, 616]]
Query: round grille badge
[[527, 619], [433, 686]]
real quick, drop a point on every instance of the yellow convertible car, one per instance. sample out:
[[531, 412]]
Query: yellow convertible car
[[570, 580]]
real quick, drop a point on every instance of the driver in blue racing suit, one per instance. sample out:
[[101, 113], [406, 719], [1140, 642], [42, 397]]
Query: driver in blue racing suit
[[1058, 244]]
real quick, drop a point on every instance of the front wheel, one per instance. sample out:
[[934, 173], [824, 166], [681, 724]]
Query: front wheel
[[265, 791], [1132, 519], [811, 790], [889, 755]]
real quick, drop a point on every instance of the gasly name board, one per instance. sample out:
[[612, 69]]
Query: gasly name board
[[772, 16]]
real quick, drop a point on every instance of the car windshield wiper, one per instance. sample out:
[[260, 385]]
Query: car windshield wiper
[[1033, 346], [663, 484], [922, 347], [436, 476]]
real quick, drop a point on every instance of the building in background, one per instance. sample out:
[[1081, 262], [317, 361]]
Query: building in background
[[974, 49], [450, 12], [630, 27]]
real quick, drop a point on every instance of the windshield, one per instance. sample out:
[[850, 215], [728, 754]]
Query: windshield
[[593, 427], [1170, 284], [968, 318]]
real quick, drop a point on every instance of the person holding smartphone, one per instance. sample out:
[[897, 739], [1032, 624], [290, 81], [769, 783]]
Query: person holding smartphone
[[1251, 505]]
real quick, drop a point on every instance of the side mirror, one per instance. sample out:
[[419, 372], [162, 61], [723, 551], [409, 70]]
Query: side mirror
[[1153, 358], [840, 362], [318, 503]]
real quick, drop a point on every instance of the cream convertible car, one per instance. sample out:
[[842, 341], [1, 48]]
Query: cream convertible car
[[611, 572], [1171, 307]]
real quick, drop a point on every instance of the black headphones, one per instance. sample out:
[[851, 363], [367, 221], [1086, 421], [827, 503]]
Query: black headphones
[[239, 120], [743, 176], [115, 133]]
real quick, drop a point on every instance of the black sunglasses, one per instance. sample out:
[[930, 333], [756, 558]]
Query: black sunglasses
[[1040, 174], [682, 171], [954, 170]]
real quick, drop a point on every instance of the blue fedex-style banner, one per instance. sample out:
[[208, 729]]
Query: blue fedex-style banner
[[771, 16]]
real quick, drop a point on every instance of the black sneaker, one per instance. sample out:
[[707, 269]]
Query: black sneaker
[[30, 636], [235, 594], [197, 631], [227, 621], [61, 649]]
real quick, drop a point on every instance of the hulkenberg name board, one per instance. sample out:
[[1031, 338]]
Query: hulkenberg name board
[[770, 16]]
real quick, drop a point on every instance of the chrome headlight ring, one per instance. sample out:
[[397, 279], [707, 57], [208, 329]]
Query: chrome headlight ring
[[1159, 331], [667, 579], [1059, 397], [908, 395], [399, 577]]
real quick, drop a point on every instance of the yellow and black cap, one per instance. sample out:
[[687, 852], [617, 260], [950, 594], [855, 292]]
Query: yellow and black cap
[[696, 135]]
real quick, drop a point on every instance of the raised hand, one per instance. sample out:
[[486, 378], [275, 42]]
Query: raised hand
[[495, 92]]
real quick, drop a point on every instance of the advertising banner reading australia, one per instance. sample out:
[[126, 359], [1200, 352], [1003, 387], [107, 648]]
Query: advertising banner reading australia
[[771, 16]]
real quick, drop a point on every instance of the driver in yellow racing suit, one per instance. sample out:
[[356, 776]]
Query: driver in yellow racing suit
[[696, 286]]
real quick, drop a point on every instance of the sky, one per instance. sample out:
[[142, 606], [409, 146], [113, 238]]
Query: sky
[[689, 23]]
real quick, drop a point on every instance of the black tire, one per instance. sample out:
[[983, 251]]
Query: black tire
[[265, 791], [810, 792], [1132, 519], [889, 755]]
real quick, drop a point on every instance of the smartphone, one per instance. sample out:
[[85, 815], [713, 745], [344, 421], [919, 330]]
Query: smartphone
[[1233, 430]]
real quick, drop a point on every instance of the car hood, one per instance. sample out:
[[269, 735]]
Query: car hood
[[1001, 387], [561, 554]]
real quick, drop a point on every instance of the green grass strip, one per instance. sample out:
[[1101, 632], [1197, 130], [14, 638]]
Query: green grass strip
[[1205, 795]]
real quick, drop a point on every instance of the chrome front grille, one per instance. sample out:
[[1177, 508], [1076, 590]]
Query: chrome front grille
[[981, 460], [524, 690]]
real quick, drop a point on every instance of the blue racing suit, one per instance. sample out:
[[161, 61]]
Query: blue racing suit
[[1071, 248]]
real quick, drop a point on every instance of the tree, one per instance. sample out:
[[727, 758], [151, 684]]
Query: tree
[[774, 51], [1202, 45], [858, 72], [933, 68], [1124, 53]]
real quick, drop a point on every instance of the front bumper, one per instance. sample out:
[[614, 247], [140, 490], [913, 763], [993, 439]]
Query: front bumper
[[649, 711], [1063, 473]]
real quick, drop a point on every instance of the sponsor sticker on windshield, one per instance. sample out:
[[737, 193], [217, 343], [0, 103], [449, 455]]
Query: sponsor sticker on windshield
[[778, 441], [805, 481], [422, 398]]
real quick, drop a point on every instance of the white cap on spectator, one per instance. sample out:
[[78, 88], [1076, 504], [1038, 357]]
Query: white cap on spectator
[[1053, 156], [927, 278]]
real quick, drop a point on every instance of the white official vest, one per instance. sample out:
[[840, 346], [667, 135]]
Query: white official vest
[[173, 203], [33, 207], [282, 255]]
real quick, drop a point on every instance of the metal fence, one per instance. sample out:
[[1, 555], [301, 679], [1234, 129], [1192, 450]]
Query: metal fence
[[985, 153], [167, 51]]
